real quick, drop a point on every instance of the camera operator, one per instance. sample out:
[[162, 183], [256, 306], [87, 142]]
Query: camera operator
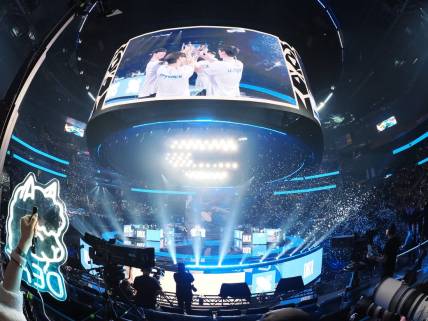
[[11, 299], [184, 287], [389, 253], [148, 288]]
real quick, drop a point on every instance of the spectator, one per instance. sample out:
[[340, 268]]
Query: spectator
[[11, 300], [390, 251]]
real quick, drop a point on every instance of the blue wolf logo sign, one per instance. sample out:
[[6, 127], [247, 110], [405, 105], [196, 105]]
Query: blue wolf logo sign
[[43, 268]]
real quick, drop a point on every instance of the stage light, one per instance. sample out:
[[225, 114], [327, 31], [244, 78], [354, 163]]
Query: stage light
[[206, 175], [225, 145]]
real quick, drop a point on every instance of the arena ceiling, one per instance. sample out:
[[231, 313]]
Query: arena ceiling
[[380, 71]]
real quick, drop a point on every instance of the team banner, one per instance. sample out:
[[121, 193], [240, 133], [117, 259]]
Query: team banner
[[43, 266]]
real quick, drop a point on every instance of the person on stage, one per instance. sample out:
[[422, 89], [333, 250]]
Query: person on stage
[[203, 81], [225, 74], [184, 287], [148, 89], [173, 76]]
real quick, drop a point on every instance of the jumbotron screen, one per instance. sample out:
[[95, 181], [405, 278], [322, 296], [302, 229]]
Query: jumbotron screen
[[200, 62]]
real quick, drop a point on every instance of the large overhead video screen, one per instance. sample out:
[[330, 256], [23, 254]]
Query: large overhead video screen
[[199, 63]]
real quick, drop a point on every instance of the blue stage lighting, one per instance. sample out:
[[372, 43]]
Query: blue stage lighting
[[158, 191], [38, 151], [421, 162], [410, 144], [305, 190], [42, 168], [315, 176]]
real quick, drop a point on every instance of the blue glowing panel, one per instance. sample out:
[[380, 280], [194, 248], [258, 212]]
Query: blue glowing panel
[[259, 238], [154, 235], [308, 267], [263, 282], [108, 235], [155, 244], [237, 234], [237, 244], [258, 250]]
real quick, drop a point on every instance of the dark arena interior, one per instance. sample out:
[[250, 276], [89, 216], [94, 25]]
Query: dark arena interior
[[223, 160]]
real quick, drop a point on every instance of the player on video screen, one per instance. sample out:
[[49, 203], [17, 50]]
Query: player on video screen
[[148, 89], [225, 74], [173, 76], [203, 81]]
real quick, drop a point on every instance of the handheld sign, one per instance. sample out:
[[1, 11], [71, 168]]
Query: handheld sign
[[44, 261]]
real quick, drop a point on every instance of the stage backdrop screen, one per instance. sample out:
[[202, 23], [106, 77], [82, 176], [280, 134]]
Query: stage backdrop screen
[[201, 62]]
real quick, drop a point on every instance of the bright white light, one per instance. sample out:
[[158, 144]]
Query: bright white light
[[323, 103], [225, 145], [91, 96], [206, 175]]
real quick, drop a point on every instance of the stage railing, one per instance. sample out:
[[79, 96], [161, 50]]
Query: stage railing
[[265, 299], [413, 249], [411, 259]]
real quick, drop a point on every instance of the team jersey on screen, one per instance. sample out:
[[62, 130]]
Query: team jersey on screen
[[173, 81], [149, 85], [203, 81], [225, 77]]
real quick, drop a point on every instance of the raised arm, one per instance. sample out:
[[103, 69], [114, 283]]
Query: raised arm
[[13, 273]]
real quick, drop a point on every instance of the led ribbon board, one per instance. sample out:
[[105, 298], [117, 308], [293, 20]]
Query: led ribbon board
[[302, 93], [43, 267]]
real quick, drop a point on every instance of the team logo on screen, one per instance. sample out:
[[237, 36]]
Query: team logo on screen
[[301, 90], [43, 266], [109, 76]]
